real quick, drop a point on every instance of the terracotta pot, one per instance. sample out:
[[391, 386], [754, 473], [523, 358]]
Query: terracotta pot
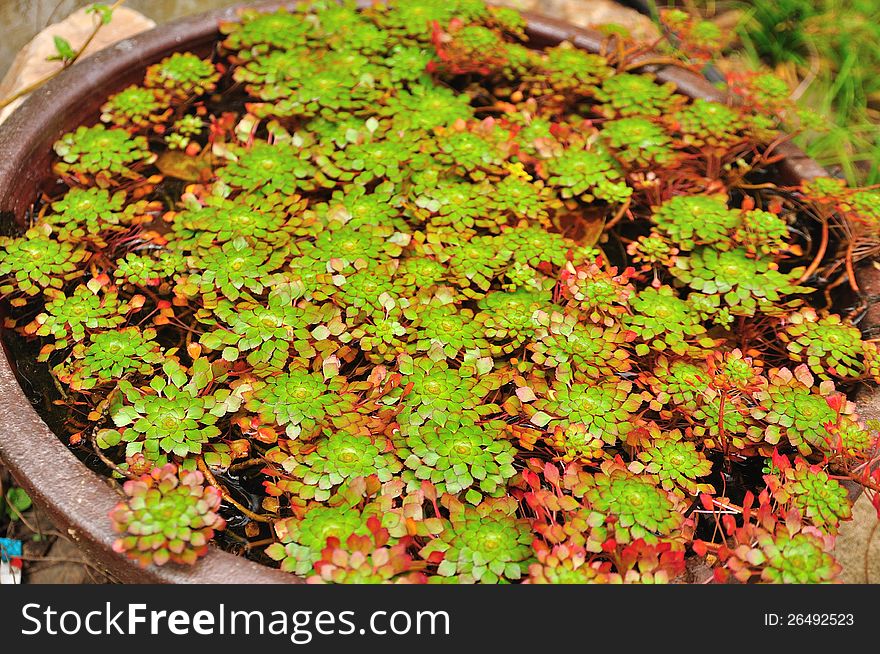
[[77, 499]]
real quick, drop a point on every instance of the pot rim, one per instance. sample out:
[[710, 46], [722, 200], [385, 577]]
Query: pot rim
[[77, 499]]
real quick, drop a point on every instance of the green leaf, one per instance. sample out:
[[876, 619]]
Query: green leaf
[[64, 51], [102, 10]]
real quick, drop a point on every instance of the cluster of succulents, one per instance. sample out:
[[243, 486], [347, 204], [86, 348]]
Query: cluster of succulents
[[168, 515], [465, 310]]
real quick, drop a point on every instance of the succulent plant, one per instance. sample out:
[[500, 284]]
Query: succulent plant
[[268, 168], [89, 215], [34, 262], [170, 416], [793, 408], [483, 544], [827, 344], [302, 540], [233, 269], [601, 295], [183, 131], [471, 458], [146, 270], [567, 69], [663, 321], [136, 107], [636, 506], [567, 564], [576, 441], [70, 317], [690, 220], [443, 395], [588, 175], [627, 94], [676, 462], [778, 553], [341, 456], [183, 75], [367, 560], [763, 232], [606, 406], [110, 356], [577, 350], [746, 285], [168, 515], [639, 141], [705, 123], [443, 331], [100, 152], [823, 501], [374, 266], [300, 401]]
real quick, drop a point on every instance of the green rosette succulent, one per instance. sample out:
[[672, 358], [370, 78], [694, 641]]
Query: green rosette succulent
[[256, 32], [425, 107], [183, 131], [230, 271], [791, 407], [675, 462], [183, 75], [136, 108], [795, 559], [150, 270], [763, 232], [566, 69], [691, 220], [89, 215], [587, 174], [98, 152], [446, 332], [704, 123], [524, 198], [509, 319], [366, 560], [746, 285], [634, 505], [827, 344], [639, 142], [317, 468], [626, 94], [110, 356], [435, 392], [70, 317], [600, 295], [302, 402], [662, 321], [256, 217], [266, 334], [168, 515], [474, 263], [468, 457], [173, 415], [580, 351], [301, 540], [607, 407], [381, 339], [369, 292], [483, 544], [268, 168], [823, 501], [576, 442], [34, 262]]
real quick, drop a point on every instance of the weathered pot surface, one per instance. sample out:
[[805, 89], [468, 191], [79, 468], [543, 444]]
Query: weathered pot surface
[[77, 499]]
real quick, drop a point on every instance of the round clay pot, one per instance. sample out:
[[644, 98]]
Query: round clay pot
[[75, 498]]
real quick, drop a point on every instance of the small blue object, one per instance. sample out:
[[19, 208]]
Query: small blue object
[[9, 549]]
